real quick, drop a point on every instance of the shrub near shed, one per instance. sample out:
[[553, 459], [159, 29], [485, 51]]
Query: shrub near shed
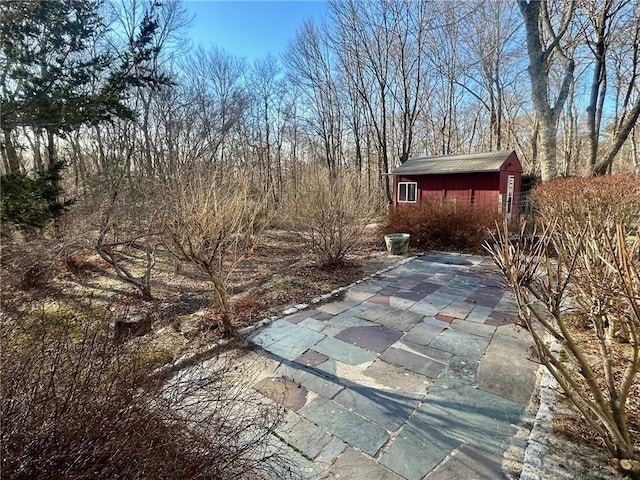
[[585, 301], [438, 225]]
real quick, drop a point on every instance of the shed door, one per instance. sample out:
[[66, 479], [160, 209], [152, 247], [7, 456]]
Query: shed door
[[510, 186]]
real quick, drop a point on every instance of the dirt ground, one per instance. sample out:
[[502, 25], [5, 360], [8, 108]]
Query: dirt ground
[[281, 273]]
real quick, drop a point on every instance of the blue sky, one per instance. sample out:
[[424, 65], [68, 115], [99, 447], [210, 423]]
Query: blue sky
[[250, 28]]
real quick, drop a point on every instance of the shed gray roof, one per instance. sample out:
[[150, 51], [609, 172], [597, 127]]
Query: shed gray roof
[[465, 163]]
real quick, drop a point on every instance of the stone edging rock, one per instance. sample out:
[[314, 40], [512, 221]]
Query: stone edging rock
[[533, 467]]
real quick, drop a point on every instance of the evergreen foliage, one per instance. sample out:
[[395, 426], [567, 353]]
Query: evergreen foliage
[[60, 72], [29, 203]]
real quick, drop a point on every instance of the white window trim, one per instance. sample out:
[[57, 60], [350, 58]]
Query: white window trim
[[415, 192]]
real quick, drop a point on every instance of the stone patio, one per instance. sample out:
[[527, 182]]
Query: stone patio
[[419, 373]]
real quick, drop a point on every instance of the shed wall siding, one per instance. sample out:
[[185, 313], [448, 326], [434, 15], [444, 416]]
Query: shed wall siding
[[480, 189]]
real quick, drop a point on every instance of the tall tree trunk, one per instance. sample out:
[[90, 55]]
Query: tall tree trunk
[[51, 147], [10, 151], [540, 57], [547, 149], [606, 162]]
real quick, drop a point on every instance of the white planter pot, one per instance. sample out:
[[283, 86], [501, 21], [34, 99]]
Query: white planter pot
[[397, 243]]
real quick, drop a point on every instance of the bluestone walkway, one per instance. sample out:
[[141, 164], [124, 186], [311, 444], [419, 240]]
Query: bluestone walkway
[[419, 373]]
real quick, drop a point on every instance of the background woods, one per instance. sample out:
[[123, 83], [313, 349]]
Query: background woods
[[115, 89]]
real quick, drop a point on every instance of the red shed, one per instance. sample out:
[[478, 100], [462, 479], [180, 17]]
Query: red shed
[[489, 179]]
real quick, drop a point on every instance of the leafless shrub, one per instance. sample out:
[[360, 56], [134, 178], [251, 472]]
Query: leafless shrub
[[213, 221], [76, 405], [330, 212], [34, 263], [437, 225], [603, 201], [586, 299], [129, 231]]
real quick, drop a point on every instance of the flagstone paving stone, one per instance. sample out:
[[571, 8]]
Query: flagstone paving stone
[[410, 295], [479, 314], [458, 309], [398, 378], [330, 452], [426, 287], [444, 318], [305, 468], [501, 318], [473, 416], [347, 321], [313, 324], [502, 371], [425, 331], [417, 449], [337, 307], [414, 362], [358, 295], [483, 300], [283, 391], [400, 303], [441, 300], [388, 291], [473, 328], [287, 340], [331, 330], [379, 299], [424, 308], [387, 408], [373, 313], [312, 379], [353, 464], [303, 435], [343, 351], [322, 316], [298, 317], [376, 339], [330, 368], [469, 462], [347, 425], [399, 319], [460, 343], [311, 358], [433, 353]]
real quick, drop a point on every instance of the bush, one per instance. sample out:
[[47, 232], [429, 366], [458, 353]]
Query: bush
[[582, 306], [330, 212], [76, 405], [439, 225], [35, 263], [604, 201], [213, 220], [29, 203]]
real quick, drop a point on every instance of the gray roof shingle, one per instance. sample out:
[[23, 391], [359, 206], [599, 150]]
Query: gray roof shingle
[[464, 163]]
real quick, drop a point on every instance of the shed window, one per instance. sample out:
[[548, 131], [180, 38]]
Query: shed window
[[407, 191]]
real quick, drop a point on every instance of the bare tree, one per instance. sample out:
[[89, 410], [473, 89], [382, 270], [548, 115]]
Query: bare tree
[[269, 113], [310, 63], [212, 220], [129, 231], [330, 212], [365, 48], [545, 48], [492, 41], [615, 27]]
